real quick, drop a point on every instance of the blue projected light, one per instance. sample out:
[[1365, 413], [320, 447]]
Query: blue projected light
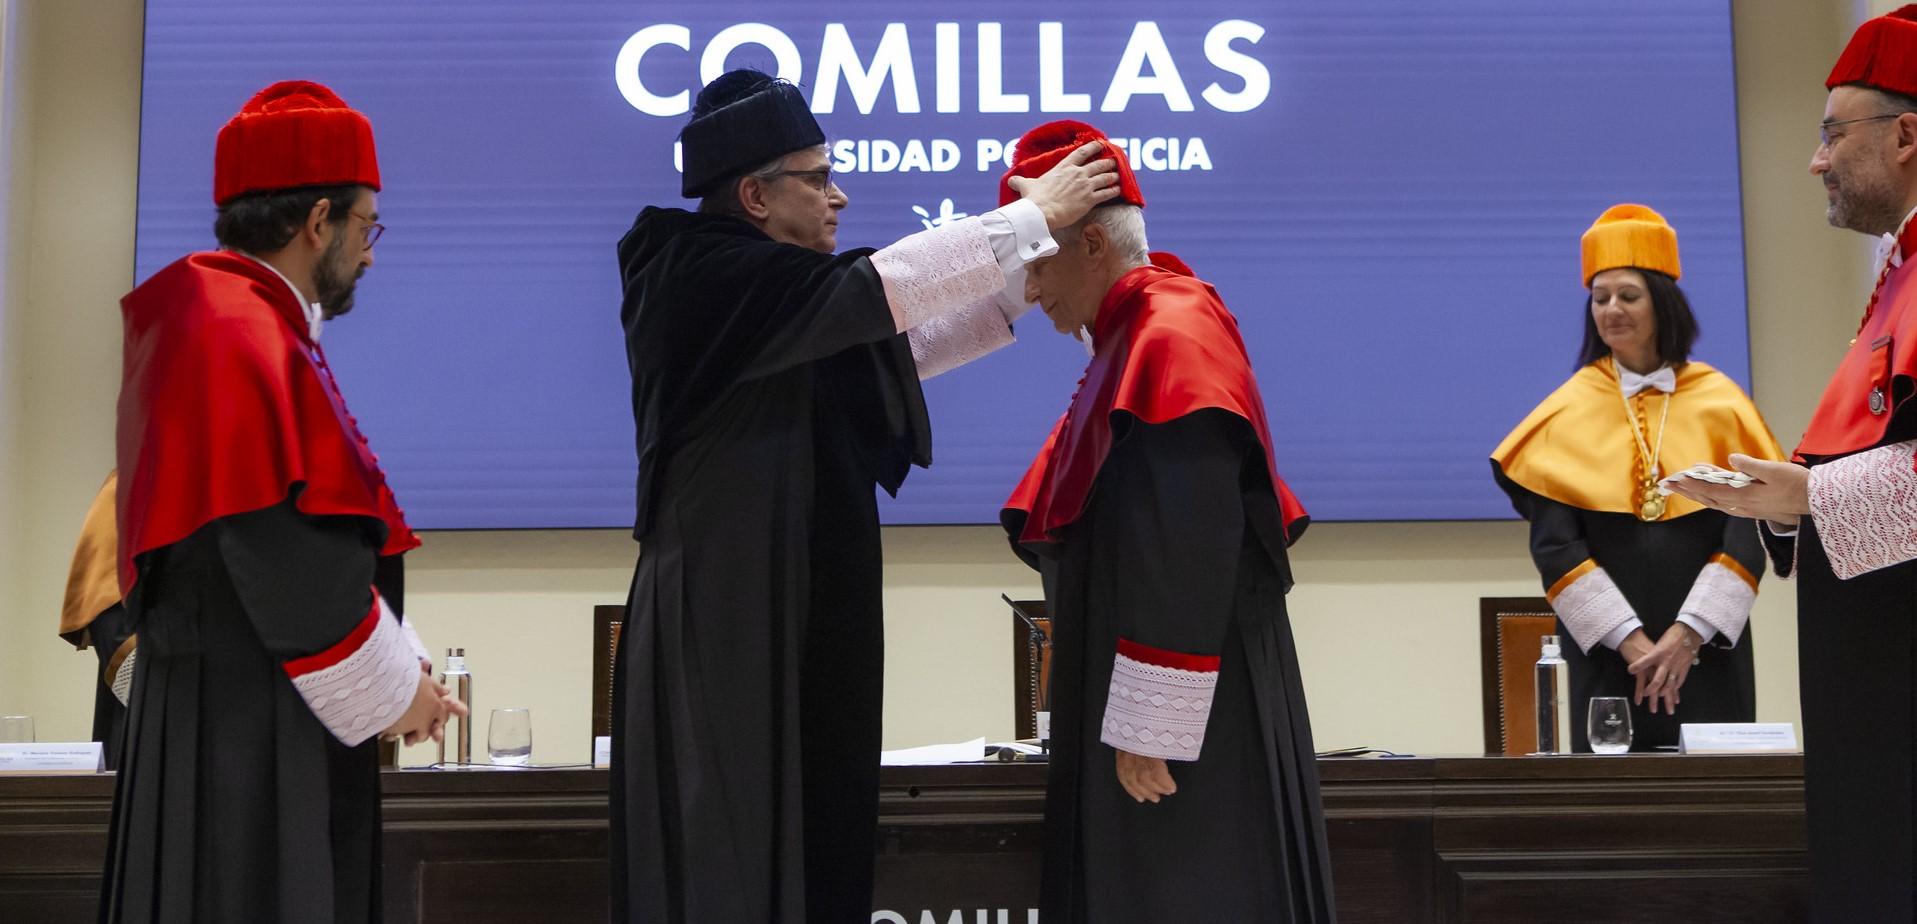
[[1388, 194]]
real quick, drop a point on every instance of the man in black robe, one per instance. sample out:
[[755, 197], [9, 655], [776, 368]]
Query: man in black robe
[[258, 552], [774, 385], [1183, 785], [1844, 518]]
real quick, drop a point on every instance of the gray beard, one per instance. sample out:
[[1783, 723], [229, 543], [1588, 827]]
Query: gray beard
[[1868, 211]]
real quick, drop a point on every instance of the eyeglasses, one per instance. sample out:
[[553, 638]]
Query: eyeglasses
[[820, 179], [1823, 131], [373, 229]]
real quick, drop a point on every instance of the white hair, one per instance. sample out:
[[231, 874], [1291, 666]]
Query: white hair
[[1124, 226]]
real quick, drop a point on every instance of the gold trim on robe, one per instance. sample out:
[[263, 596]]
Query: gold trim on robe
[[93, 584], [1576, 447]]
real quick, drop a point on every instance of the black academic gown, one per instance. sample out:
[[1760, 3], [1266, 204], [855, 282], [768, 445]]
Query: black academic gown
[[1654, 566], [1857, 686], [1181, 548], [771, 394], [233, 803]]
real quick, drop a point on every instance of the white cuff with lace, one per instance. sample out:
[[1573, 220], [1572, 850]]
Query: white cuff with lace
[[1589, 604], [1159, 701], [361, 685], [1865, 509]]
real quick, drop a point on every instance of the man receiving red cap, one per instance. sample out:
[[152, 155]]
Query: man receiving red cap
[[1183, 785], [1844, 518], [259, 550]]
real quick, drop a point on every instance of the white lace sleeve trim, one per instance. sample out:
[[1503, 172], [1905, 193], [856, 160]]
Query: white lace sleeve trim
[[1865, 509], [362, 685], [1722, 599], [1590, 607], [1157, 711], [123, 678], [938, 272], [945, 343]]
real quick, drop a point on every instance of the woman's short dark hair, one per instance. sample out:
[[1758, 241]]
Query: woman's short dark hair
[[263, 222], [1676, 326]]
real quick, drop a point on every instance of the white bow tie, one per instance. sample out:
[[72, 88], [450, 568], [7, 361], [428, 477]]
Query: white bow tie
[[1664, 380]]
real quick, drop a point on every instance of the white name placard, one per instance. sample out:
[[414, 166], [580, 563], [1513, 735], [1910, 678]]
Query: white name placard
[[82, 756], [1737, 738], [602, 751]]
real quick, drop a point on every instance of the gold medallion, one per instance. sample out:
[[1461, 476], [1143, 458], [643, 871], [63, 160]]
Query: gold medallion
[[1651, 509]]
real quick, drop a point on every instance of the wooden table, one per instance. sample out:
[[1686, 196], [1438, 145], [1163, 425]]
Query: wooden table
[[1478, 839]]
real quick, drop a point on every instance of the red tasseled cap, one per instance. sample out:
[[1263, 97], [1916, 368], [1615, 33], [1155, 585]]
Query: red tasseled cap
[[1881, 55], [1043, 147], [291, 134]]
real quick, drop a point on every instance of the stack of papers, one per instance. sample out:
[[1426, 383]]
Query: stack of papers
[[932, 754], [1709, 474]]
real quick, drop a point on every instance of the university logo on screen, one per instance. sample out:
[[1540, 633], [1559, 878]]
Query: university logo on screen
[[911, 67]]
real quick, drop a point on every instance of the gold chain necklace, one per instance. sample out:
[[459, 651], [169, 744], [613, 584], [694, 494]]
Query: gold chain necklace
[[1650, 504]]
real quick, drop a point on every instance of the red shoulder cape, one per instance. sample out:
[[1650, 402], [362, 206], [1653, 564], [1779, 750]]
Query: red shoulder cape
[[1166, 347], [225, 405], [1881, 362]]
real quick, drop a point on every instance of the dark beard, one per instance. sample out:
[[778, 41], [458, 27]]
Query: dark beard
[[333, 285]]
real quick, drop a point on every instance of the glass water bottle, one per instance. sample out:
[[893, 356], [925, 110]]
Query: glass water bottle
[[1554, 700], [459, 729]]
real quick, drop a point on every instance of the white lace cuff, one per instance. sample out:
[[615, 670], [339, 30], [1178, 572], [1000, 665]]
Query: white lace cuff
[[122, 685], [1721, 598], [1589, 604], [1159, 701], [945, 343], [1865, 508], [937, 272], [363, 684]]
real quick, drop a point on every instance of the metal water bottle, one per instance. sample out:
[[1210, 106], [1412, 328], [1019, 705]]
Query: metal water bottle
[[1554, 699], [459, 729]]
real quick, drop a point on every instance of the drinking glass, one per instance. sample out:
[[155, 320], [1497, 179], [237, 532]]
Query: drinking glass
[[509, 737], [16, 729], [1610, 724]]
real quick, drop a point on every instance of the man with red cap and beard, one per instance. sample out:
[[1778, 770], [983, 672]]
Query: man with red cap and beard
[[1183, 785], [259, 551], [1844, 517]]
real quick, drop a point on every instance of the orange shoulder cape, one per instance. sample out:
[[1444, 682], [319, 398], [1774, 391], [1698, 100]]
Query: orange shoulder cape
[[1576, 448]]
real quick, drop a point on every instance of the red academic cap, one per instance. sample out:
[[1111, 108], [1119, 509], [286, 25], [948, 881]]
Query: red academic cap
[[1043, 147], [294, 133], [1881, 55]]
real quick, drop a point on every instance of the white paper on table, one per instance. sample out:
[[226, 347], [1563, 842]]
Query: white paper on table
[[961, 752], [50, 757]]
